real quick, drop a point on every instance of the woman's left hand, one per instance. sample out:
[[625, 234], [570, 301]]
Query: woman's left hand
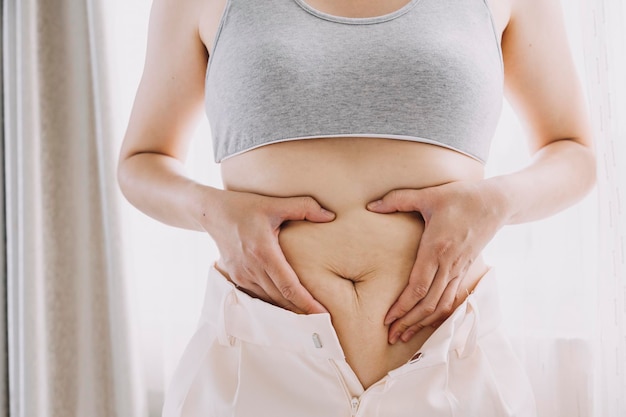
[[460, 219]]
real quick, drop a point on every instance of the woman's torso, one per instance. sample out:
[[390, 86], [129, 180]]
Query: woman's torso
[[357, 265]]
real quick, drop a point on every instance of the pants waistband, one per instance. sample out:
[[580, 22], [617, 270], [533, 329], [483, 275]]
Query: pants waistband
[[237, 316]]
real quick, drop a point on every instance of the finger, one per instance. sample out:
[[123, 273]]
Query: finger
[[460, 293], [256, 291], [398, 200], [422, 275], [287, 283], [438, 303], [262, 288], [444, 307], [422, 310], [254, 281], [274, 296], [304, 208], [410, 332]]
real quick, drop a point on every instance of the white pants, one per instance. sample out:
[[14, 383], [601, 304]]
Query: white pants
[[250, 358]]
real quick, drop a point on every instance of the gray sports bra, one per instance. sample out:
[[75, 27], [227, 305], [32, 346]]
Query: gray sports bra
[[281, 70]]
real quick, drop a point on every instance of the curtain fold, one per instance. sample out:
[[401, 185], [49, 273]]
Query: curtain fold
[[70, 349], [605, 63], [4, 394]]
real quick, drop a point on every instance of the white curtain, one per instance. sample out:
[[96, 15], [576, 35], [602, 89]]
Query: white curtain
[[560, 279], [563, 279], [605, 62], [4, 380], [70, 349]]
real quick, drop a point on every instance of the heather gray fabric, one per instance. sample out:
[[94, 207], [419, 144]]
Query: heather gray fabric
[[280, 70]]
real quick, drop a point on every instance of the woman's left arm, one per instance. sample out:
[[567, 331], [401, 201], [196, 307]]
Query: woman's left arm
[[462, 217]]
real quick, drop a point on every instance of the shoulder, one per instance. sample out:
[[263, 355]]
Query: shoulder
[[209, 17], [509, 12], [177, 17], [535, 12], [501, 12], [535, 30], [174, 10]]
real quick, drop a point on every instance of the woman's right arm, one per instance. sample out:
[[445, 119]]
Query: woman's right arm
[[151, 172], [167, 107]]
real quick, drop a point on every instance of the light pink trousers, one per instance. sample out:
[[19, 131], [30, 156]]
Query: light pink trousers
[[250, 358]]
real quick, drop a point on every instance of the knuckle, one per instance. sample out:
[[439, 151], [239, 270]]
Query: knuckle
[[401, 327], [442, 248], [401, 310], [308, 309], [429, 309], [307, 202], [456, 262], [419, 291], [445, 309], [416, 327], [287, 291], [466, 267], [460, 295], [394, 196]]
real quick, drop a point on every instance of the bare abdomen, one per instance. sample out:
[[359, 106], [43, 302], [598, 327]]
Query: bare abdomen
[[357, 265]]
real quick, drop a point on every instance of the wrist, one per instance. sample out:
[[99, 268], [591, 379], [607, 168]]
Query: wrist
[[499, 198], [203, 204]]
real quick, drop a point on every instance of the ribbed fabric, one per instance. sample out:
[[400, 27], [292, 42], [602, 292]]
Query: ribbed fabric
[[281, 70]]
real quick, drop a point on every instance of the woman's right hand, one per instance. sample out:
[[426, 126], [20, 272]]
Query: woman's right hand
[[245, 227]]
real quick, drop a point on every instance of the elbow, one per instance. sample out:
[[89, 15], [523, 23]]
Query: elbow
[[124, 175], [577, 159], [587, 167]]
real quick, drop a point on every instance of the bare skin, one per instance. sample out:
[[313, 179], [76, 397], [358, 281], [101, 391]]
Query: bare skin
[[400, 247], [358, 264]]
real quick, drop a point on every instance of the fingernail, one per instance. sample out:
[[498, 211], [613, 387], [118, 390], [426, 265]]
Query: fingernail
[[408, 335], [328, 213], [390, 320], [374, 204], [394, 338]]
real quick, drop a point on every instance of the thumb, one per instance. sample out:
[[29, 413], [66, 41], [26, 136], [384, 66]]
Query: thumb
[[305, 208], [397, 200]]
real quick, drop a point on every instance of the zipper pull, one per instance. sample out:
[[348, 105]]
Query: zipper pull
[[355, 405]]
